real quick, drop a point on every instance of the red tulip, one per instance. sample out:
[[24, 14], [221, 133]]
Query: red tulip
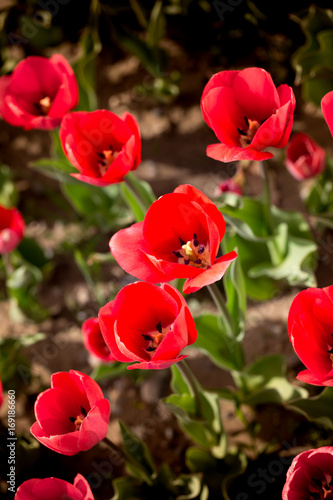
[[310, 476], [148, 324], [38, 93], [102, 146], [179, 238], [73, 415], [54, 489], [247, 113], [228, 186], [310, 326], [327, 109], [304, 157], [94, 341], [11, 229]]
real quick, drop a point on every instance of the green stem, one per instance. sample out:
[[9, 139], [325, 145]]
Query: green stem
[[191, 381], [273, 249], [222, 308], [266, 196]]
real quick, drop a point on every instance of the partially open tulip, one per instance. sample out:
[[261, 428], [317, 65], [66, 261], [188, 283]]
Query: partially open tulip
[[38, 93], [310, 476], [247, 113], [179, 238], [147, 324], [54, 489], [12, 227], [310, 326], [304, 157], [93, 340], [101, 146], [73, 415]]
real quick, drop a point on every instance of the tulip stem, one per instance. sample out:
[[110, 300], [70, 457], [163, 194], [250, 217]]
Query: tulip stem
[[222, 308], [191, 381], [7, 265], [273, 249], [115, 448]]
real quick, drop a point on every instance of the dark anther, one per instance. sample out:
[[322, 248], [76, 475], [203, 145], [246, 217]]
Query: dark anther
[[198, 261], [147, 337], [186, 261], [248, 141], [150, 349], [331, 351], [195, 236], [201, 250], [101, 155], [195, 240], [246, 121], [83, 411], [182, 242], [317, 482], [177, 254], [241, 132], [159, 327], [331, 482], [72, 419]]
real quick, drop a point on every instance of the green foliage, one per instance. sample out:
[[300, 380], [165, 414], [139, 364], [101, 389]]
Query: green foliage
[[14, 366], [317, 409], [108, 371], [288, 254], [313, 61], [224, 351], [265, 382], [8, 191], [198, 412], [319, 201]]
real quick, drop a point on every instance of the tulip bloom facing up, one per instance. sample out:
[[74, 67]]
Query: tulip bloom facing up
[[310, 476], [247, 113], [310, 326], [38, 93], [304, 157], [179, 238], [102, 146], [54, 489], [94, 341], [148, 324], [73, 415], [12, 227]]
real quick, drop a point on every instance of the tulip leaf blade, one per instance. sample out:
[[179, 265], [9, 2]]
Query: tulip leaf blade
[[140, 462], [317, 409]]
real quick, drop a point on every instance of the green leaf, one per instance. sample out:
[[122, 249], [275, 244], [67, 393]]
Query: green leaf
[[224, 351], [32, 252], [265, 382], [318, 409], [200, 419], [137, 207], [156, 26], [8, 191], [141, 187], [235, 289], [108, 371], [126, 488], [140, 464]]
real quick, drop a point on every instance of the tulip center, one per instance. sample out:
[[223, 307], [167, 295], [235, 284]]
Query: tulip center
[[193, 253], [247, 133], [320, 489], [77, 421], [106, 157], [153, 339], [44, 105]]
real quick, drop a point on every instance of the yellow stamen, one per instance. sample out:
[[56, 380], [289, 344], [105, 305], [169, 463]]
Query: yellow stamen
[[45, 105], [189, 250]]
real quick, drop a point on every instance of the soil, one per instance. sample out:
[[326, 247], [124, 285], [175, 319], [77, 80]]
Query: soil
[[174, 140]]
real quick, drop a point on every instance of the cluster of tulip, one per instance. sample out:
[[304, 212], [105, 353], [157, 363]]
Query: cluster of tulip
[[179, 238]]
